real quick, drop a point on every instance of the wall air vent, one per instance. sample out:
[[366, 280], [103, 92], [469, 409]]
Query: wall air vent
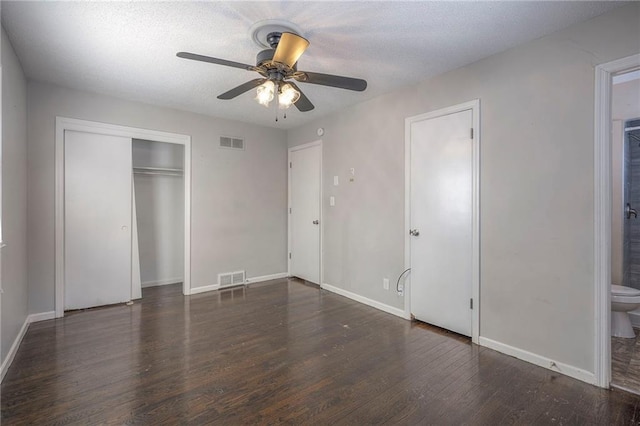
[[229, 279], [228, 142]]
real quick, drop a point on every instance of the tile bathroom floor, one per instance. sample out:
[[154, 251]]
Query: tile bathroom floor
[[625, 363]]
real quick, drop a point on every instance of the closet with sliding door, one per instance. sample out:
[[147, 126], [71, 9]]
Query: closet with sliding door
[[123, 217]]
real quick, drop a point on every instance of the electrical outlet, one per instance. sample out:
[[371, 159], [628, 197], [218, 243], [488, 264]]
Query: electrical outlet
[[401, 290], [385, 283]]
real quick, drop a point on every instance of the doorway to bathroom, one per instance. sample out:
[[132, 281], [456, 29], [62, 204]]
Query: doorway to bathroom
[[625, 230]]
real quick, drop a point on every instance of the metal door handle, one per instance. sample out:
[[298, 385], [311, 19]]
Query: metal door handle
[[629, 211], [414, 232], [316, 222]]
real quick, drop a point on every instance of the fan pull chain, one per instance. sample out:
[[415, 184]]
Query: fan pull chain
[[277, 99]]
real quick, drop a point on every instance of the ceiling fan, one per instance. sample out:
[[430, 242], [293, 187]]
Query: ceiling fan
[[278, 68]]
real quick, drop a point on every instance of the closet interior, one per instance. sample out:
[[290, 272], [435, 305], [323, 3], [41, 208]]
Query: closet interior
[[158, 214]]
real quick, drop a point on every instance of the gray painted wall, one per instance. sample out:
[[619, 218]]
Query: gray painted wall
[[14, 196], [536, 185], [238, 197]]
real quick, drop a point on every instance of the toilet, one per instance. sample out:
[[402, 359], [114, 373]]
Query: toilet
[[623, 300]]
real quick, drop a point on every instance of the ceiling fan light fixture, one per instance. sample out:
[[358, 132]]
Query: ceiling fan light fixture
[[265, 93], [287, 96]]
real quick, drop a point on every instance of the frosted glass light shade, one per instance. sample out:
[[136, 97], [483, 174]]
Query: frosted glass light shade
[[288, 96], [265, 93]]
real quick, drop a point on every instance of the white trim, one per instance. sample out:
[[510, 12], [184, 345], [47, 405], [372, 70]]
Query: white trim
[[6, 363], [42, 316], [474, 106], [203, 289], [262, 278], [14, 349], [602, 214], [365, 300], [321, 195], [569, 370], [253, 280], [635, 318], [62, 124], [161, 282]]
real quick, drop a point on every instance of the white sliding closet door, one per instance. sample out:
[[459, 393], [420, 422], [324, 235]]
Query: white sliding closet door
[[97, 219]]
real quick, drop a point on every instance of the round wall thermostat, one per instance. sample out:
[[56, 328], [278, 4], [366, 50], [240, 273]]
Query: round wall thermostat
[[320, 131]]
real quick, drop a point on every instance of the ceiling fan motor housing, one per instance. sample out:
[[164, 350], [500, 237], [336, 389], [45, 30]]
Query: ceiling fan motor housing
[[264, 57]]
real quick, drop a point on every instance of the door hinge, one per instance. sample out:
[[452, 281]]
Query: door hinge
[[290, 164], [470, 303], [289, 210], [289, 255], [472, 133]]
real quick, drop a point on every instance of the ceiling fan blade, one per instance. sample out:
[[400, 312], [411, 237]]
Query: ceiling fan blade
[[290, 48], [242, 88], [303, 103], [202, 58], [348, 83]]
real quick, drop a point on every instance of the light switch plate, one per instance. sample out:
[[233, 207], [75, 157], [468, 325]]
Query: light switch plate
[[332, 201], [336, 181]]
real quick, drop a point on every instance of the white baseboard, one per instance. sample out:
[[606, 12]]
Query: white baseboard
[[204, 289], [251, 280], [266, 278], [16, 343], [569, 370], [365, 300], [42, 316], [161, 282]]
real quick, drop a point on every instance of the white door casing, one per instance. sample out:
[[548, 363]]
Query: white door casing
[[602, 214], [305, 211], [97, 220], [442, 208]]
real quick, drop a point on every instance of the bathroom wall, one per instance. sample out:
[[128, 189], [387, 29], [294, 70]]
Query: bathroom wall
[[626, 240], [633, 189], [617, 202], [625, 106]]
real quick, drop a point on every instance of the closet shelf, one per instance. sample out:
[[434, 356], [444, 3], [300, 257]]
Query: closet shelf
[[157, 171]]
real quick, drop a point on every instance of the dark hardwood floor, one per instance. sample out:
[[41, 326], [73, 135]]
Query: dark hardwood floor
[[281, 352]]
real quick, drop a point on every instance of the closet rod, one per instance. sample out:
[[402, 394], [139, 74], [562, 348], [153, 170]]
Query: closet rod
[[150, 172], [156, 169]]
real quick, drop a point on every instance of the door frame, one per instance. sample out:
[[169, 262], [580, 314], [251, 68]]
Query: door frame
[[602, 213], [474, 106], [321, 239], [64, 123]]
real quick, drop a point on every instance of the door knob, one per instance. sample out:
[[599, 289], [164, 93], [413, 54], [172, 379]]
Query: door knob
[[316, 222], [414, 232]]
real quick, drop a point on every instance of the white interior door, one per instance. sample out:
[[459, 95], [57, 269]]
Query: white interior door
[[441, 221], [97, 219], [304, 179]]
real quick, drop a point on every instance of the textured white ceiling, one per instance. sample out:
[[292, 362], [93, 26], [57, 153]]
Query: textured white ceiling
[[127, 49]]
